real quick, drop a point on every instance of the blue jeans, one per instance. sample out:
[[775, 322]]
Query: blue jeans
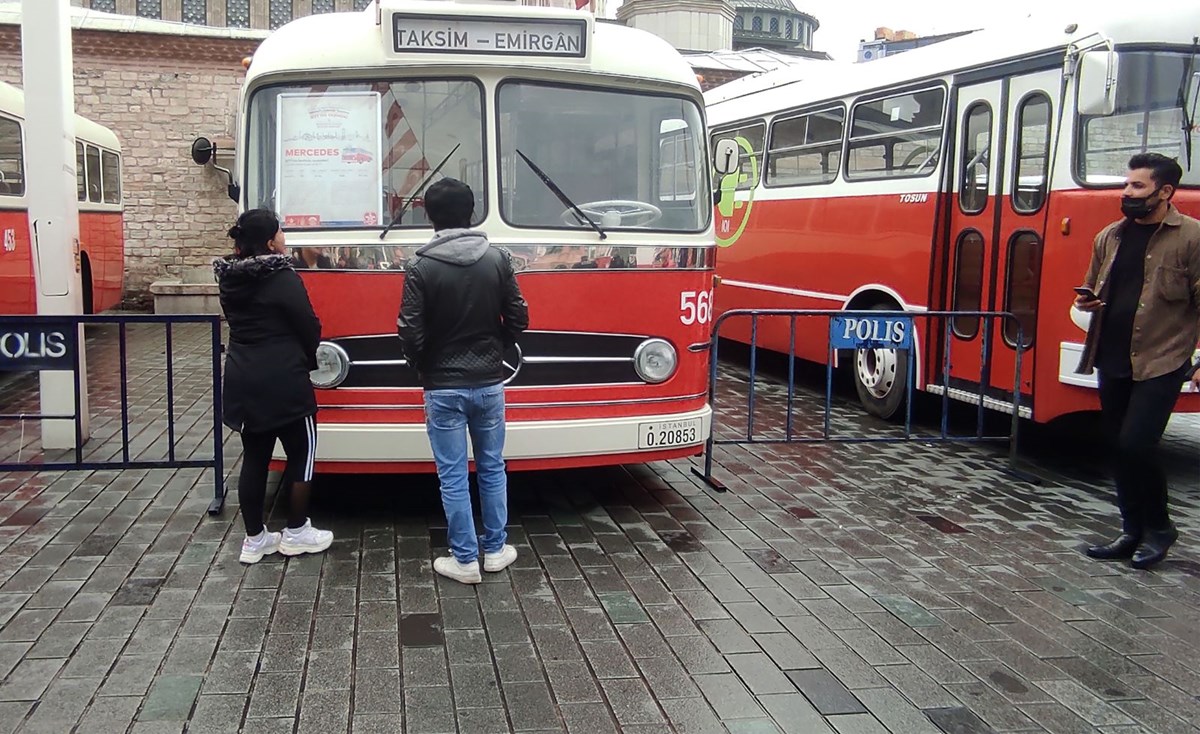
[[449, 416]]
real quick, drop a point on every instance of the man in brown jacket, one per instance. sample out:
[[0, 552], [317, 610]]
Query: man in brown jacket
[[1145, 304]]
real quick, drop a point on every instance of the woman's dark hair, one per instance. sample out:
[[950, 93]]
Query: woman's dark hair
[[254, 229]]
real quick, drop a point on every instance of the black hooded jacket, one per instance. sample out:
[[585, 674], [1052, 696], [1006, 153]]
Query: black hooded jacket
[[273, 337], [461, 309]]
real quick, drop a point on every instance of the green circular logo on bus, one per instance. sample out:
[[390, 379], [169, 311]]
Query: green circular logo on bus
[[728, 206]]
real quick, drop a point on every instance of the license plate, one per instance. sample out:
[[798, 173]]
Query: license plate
[[669, 434]]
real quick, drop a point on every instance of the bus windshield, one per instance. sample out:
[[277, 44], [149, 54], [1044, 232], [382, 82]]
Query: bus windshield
[[629, 161], [1147, 119], [353, 155]]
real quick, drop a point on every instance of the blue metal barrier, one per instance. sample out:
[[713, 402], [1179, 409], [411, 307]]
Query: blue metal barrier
[[886, 330], [57, 349]]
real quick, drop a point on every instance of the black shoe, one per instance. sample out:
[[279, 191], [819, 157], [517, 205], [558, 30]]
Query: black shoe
[[1122, 547], [1154, 548]]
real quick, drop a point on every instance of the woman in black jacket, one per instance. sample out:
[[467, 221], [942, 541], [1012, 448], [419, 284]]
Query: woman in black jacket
[[273, 337]]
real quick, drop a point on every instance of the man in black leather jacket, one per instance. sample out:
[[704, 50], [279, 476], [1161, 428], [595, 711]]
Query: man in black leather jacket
[[461, 308]]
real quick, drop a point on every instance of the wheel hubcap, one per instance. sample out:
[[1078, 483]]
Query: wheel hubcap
[[877, 370]]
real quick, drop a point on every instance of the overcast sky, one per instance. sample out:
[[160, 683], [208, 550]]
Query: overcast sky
[[845, 22]]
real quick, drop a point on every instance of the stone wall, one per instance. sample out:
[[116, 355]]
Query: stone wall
[[158, 92]]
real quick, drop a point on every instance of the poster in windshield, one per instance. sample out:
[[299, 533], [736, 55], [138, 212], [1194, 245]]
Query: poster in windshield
[[328, 165]]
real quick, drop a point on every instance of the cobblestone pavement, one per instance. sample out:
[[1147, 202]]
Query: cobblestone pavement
[[835, 588]]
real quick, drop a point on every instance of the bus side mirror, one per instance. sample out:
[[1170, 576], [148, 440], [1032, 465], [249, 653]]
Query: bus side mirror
[[203, 152], [725, 156], [1096, 83]]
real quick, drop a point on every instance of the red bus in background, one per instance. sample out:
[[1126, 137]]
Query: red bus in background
[[101, 222], [969, 175]]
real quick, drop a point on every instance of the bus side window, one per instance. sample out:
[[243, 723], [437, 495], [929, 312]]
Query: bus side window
[[806, 149], [896, 137], [1033, 153], [93, 175], [111, 179], [80, 172], [12, 159]]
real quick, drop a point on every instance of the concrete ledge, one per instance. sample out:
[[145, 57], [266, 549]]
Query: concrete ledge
[[195, 293]]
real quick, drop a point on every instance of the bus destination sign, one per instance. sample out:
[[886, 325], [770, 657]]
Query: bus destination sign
[[500, 36]]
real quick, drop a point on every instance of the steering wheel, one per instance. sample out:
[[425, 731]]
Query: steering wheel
[[630, 213]]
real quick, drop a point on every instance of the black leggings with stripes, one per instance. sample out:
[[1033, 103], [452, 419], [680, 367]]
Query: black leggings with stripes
[[299, 441]]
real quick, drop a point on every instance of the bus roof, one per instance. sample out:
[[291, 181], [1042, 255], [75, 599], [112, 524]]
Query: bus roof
[[353, 41], [12, 102], [1046, 32]]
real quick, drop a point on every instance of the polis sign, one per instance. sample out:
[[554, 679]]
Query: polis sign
[[26, 347], [871, 332]]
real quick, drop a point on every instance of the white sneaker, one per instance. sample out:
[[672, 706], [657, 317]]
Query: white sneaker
[[263, 544], [493, 562], [466, 573], [306, 539]]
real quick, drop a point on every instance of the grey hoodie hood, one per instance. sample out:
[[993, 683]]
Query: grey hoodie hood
[[456, 246]]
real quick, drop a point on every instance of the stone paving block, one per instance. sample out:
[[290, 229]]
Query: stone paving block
[[992, 707], [857, 724], [917, 686], [760, 673], [230, 673], [689, 716], [632, 703], [115, 714], [322, 712], [787, 652], [698, 655], [377, 691], [895, 712], [519, 663], [170, 698], [275, 695], [585, 718], [849, 668], [377, 650], [424, 666], [667, 678], [572, 683], [131, 676], [475, 686], [957, 720], [826, 693], [609, 659], [752, 726], [328, 670], [476, 721], [794, 714], [1057, 718]]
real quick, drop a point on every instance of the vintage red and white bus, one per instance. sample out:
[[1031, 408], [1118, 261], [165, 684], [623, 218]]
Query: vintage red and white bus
[[101, 225], [584, 144], [968, 175]]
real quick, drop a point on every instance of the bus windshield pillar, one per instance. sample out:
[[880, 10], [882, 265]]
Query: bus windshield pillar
[[51, 193]]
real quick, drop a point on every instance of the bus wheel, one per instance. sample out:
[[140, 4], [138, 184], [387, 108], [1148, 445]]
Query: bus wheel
[[85, 278], [880, 377]]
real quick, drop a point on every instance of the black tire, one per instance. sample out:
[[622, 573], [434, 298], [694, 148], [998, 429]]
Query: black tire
[[85, 278], [880, 376]]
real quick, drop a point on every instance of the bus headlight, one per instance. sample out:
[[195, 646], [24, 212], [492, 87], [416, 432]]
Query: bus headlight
[[333, 364], [655, 360]]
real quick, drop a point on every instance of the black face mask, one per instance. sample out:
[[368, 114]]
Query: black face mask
[[1137, 207]]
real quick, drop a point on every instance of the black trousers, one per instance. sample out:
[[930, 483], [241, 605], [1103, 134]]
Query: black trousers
[[1135, 416], [299, 441]]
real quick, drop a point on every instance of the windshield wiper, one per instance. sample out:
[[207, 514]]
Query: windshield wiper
[[566, 200], [417, 192]]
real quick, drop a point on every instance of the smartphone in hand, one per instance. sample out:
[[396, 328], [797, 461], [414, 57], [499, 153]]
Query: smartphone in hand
[[1087, 293]]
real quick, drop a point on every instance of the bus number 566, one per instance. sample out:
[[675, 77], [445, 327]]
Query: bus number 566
[[695, 308]]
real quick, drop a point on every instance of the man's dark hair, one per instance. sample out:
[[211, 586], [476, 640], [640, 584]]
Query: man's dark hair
[[449, 204], [254, 229], [1165, 171]]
